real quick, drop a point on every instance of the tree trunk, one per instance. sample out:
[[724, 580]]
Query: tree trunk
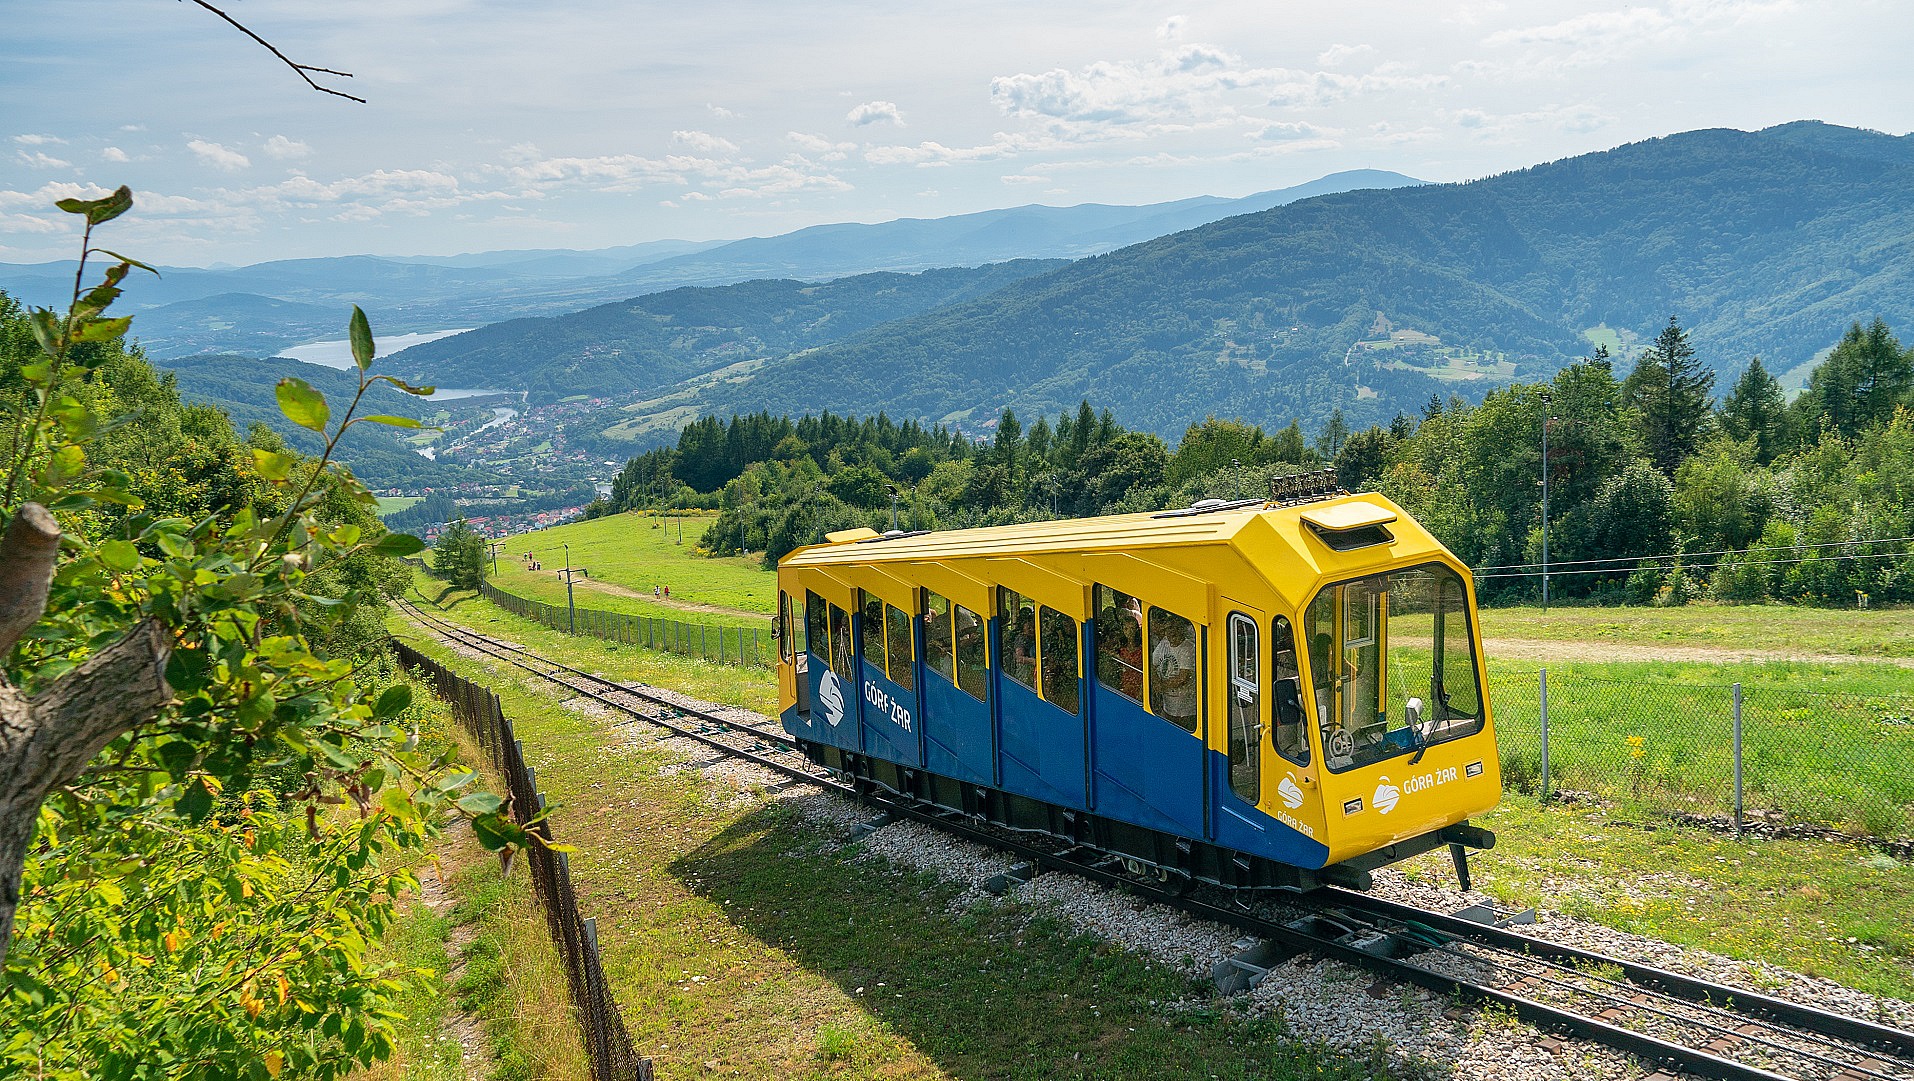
[[47, 740]]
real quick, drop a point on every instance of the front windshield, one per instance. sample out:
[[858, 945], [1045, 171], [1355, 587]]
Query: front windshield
[[1392, 665]]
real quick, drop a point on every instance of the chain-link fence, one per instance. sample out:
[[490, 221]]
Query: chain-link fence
[[745, 646], [1764, 754], [607, 1041]]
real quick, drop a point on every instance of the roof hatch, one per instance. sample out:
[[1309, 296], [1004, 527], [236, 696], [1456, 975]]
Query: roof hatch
[[1348, 526]]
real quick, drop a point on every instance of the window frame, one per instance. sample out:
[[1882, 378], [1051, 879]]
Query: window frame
[[1251, 763]]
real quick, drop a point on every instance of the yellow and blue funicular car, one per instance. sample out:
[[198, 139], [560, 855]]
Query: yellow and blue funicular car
[[1259, 693]]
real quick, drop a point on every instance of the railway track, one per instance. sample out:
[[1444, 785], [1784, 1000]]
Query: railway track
[[1671, 1020]]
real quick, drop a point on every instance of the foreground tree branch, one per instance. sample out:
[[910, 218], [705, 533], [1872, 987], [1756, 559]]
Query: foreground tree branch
[[304, 71], [47, 740]]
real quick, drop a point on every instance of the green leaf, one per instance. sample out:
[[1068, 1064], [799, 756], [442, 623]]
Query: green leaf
[[98, 211], [302, 405], [46, 330], [397, 544], [393, 701], [125, 261], [196, 802], [495, 831], [120, 555], [273, 465], [423, 392], [480, 803], [103, 330], [361, 333], [396, 422]]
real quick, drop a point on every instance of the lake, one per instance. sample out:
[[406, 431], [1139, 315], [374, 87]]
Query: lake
[[338, 354]]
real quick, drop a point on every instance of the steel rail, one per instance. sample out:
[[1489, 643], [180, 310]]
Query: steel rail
[[1811, 1021]]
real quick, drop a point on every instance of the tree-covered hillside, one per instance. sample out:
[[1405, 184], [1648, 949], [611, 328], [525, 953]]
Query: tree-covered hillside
[[1768, 242], [656, 340]]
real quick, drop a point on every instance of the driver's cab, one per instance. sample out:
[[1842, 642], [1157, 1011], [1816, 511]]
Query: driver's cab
[[1392, 674]]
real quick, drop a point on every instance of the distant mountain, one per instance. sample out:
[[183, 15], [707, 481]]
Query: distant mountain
[[660, 339], [407, 294], [233, 323], [1763, 243]]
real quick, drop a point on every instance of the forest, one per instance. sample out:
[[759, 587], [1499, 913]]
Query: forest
[[1661, 490]]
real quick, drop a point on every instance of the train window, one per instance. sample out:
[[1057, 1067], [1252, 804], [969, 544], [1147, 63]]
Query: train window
[[1019, 633], [973, 653], [1245, 708], [1175, 683], [784, 626], [800, 638], [871, 630], [1286, 694], [899, 647], [1399, 673], [1059, 653], [841, 659], [1119, 627], [817, 634], [940, 647]]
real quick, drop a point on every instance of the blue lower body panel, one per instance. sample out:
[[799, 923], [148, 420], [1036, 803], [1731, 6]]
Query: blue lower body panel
[[957, 739], [1242, 827], [1042, 751], [890, 719], [1148, 771], [834, 709]]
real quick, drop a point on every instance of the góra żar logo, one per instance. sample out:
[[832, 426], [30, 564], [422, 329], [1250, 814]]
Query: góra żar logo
[[1385, 798], [1292, 795], [830, 692]]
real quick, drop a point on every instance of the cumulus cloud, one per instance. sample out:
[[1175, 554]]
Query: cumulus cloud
[[1285, 132], [39, 140], [1338, 55], [525, 168], [1025, 178], [874, 112], [719, 111], [217, 156], [1172, 27], [284, 149], [819, 147], [704, 142], [114, 154], [40, 159]]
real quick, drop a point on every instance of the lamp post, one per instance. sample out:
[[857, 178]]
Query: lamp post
[[1547, 401]]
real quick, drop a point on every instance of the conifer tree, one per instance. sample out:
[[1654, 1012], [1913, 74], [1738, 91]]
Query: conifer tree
[[1669, 391], [1756, 409]]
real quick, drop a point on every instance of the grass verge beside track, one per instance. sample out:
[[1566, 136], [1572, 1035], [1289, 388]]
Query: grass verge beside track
[[627, 555], [1778, 628], [741, 943]]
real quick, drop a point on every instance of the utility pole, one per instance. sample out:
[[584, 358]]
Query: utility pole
[[893, 489], [571, 607], [1547, 401], [494, 546]]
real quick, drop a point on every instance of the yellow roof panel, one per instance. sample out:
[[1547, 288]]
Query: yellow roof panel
[[1354, 514]]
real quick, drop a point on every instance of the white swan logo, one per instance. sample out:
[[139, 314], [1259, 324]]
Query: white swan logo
[[1385, 798], [1292, 795], [830, 692]]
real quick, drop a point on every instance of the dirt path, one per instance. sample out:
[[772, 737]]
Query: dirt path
[[669, 602], [1550, 649], [459, 1026]]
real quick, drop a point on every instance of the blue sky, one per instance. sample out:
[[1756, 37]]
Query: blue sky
[[588, 123]]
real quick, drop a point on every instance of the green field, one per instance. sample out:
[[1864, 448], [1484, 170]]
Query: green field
[[393, 504], [626, 555], [1753, 628]]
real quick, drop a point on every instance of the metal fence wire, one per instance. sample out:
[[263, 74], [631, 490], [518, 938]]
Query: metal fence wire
[[745, 647], [607, 1042], [1768, 757]]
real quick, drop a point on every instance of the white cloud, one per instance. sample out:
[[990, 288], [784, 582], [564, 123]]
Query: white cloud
[[1025, 178], [1338, 55], [284, 149], [704, 142], [217, 156], [40, 159], [1172, 27], [873, 112], [719, 111], [114, 154], [820, 147], [39, 140], [1284, 132]]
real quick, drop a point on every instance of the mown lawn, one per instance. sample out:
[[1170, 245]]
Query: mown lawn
[[636, 553], [1875, 632]]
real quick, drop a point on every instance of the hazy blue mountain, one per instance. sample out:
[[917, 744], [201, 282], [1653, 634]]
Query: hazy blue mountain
[[1763, 243], [243, 323], [659, 339], [407, 294]]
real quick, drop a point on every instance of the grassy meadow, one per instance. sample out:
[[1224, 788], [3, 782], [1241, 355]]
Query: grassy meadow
[[626, 556], [1751, 628]]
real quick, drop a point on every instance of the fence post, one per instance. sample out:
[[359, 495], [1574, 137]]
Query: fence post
[[1737, 760], [1544, 689]]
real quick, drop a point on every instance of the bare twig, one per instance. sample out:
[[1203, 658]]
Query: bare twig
[[302, 70]]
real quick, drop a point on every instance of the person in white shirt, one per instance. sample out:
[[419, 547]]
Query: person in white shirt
[[1173, 673]]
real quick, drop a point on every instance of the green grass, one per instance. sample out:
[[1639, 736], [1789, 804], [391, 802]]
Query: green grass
[[1824, 909], [1876, 632], [416, 940], [740, 942], [392, 504], [633, 553], [1824, 744]]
